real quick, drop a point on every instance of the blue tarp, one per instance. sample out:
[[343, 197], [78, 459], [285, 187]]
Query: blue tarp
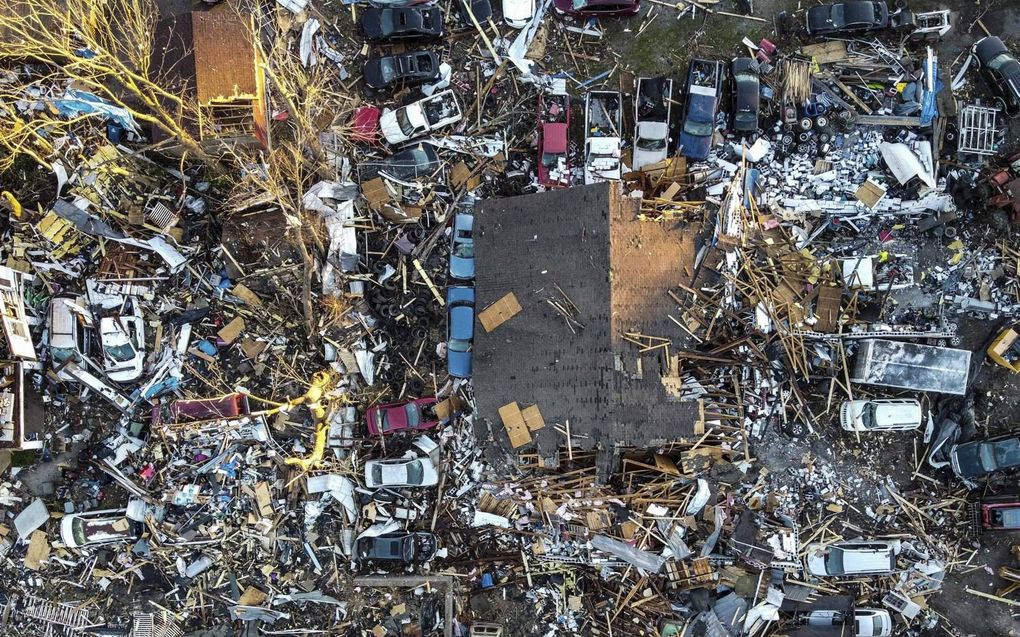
[[75, 103]]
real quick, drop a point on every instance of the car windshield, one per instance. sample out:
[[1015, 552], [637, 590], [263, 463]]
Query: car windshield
[[78, 531], [836, 17], [996, 62], [120, 353], [377, 473], [413, 416], [651, 144], [868, 415], [61, 354], [387, 70], [384, 421], [415, 472], [405, 124], [458, 345], [550, 159], [745, 78], [1007, 453], [698, 129], [464, 250], [746, 117], [834, 561], [987, 454]]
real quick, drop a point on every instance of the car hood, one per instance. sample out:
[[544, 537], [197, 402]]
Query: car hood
[[695, 147], [459, 364], [518, 11], [816, 560]]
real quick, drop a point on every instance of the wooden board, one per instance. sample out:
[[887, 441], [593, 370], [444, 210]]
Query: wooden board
[[499, 312], [533, 418], [827, 310], [870, 193], [826, 52], [513, 422]]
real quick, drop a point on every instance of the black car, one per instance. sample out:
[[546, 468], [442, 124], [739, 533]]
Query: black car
[[746, 93], [402, 548], [841, 17], [481, 9], [417, 161], [982, 457], [401, 22], [1001, 71], [403, 69]]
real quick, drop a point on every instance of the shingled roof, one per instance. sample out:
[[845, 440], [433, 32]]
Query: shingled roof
[[616, 270], [207, 52]]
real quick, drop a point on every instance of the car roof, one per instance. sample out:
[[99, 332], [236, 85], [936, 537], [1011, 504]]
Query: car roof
[[462, 319], [988, 47], [859, 558], [554, 137], [463, 221]]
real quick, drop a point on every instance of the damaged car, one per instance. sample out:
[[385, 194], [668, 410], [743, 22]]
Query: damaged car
[[400, 472], [415, 415], [1001, 71], [401, 548], [385, 23], [843, 17], [979, 458], [405, 69], [855, 557], [123, 341]]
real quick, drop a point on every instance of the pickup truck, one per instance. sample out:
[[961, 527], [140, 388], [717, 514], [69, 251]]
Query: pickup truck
[[420, 118], [704, 89], [603, 123]]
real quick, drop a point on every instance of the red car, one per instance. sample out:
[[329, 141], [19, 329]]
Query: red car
[[1000, 513], [596, 8], [416, 415], [554, 141]]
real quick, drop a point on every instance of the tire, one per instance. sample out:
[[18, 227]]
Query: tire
[[806, 123]]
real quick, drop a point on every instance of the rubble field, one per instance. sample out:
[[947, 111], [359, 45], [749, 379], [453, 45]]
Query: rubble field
[[615, 318]]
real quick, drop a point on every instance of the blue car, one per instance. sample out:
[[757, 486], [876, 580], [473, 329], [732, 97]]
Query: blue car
[[462, 251], [460, 301], [704, 89]]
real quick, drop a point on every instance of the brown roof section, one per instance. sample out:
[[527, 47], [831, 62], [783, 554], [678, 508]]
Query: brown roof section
[[224, 54], [206, 53]]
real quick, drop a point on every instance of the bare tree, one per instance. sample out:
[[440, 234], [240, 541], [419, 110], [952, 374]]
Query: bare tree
[[315, 103], [103, 46]]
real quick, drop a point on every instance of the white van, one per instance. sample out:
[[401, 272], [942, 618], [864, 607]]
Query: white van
[[880, 414]]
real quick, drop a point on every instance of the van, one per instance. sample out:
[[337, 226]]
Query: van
[[880, 414]]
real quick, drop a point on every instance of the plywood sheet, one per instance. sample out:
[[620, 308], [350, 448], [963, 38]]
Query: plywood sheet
[[499, 312]]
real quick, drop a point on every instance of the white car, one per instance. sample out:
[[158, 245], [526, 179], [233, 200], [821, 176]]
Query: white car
[[855, 557], [868, 622], [123, 339], [518, 13], [652, 108], [402, 472], [67, 338], [881, 414], [97, 527]]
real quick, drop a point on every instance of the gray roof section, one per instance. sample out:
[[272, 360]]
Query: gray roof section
[[574, 238]]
